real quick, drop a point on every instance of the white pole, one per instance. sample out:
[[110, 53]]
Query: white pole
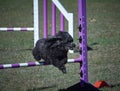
[[70, 27], [36, 20]]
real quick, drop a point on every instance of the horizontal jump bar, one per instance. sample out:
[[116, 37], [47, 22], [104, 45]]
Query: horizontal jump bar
[[29, 64], [16, 29]]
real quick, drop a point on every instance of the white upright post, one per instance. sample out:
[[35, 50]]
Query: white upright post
[[70, 27], [36, 20]]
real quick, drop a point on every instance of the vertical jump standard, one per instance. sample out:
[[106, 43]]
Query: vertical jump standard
[[63, 15]]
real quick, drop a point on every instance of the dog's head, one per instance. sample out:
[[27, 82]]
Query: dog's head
[[62, 40]]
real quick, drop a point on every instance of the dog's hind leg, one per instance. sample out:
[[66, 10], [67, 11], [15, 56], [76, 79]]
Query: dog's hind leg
[[36, 54]]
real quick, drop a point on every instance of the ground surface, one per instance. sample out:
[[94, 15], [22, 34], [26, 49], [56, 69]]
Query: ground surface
[[103, 28]]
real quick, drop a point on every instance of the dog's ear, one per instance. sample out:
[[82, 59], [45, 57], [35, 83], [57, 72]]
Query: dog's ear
[[53, 42], [53, 39]]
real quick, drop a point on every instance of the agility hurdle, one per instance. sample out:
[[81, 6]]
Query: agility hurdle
[[36, 25], [64, 15]]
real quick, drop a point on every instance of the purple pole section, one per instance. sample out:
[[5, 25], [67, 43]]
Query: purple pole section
[[23, 29], [83, 43], [10, 29], [53, 19], [62, 23], [45, 19]]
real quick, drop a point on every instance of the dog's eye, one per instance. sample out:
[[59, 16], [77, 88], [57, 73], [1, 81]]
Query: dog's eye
[[58, 42]]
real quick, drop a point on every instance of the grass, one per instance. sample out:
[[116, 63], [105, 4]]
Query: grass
[[103, 36]]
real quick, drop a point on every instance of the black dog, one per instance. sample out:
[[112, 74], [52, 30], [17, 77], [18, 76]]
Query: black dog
[[53, 50]]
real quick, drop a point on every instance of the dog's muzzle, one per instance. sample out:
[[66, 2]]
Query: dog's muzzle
[[71, 46]]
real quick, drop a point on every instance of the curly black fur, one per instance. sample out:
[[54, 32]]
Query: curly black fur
[[53, 50]]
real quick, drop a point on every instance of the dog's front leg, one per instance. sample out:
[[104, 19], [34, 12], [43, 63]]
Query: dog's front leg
[[60, 64]]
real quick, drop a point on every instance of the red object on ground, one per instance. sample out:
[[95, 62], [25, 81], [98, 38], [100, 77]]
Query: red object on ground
[[101, 83]]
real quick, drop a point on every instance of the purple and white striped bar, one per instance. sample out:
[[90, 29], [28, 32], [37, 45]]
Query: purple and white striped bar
[[17, 65], [30, 64], [16, 29]]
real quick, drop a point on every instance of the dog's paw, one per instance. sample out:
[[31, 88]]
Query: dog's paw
[[63, 69]]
